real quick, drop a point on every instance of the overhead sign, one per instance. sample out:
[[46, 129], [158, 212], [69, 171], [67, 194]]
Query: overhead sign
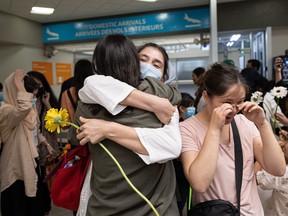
[[45, 68], [63, 72], [153, 23]]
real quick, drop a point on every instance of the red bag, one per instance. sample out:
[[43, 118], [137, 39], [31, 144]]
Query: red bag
[[68, 181]]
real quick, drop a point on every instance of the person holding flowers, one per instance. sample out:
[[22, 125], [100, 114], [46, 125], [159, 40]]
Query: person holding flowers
[[111, 194], [271, 106], [279, 81], [208, 144], [277, 203], [20, 194]]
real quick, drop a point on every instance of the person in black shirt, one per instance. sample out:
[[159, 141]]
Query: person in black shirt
[[254, 79]]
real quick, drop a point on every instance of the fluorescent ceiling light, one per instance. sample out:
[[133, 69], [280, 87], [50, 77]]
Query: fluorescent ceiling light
[[88, 52], [42, 10], [147, 0], [235, 37], [230, 43]]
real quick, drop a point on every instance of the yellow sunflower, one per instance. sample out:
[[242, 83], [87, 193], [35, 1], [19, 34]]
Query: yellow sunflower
[[56, 119]]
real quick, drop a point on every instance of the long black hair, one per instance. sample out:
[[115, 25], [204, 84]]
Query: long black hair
[[30, 84], [47, 88], [82, 69], [116, 56]]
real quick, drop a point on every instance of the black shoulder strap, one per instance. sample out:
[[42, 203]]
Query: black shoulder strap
[[71, 99], [238, 161]]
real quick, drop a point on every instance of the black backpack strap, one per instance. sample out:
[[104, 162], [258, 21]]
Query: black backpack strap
[[71, 99], [238, 161]]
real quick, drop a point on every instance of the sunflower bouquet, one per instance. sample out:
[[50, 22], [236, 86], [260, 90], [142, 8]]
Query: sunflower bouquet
[[56, 119]]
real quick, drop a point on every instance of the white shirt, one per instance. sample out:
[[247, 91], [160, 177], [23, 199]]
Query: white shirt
[[162, 144], [277, 203], [270, 103]]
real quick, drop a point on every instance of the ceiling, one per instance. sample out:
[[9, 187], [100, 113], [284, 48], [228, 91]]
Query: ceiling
[[67, 10], [80, 9]]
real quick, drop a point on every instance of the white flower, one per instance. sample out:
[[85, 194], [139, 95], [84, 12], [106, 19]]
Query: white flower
[[279, 92], [257, 97]]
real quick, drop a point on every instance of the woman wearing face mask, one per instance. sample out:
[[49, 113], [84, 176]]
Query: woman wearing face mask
[[186, 107], [19, 134], [45, 100], [48, 149], [186, 110]]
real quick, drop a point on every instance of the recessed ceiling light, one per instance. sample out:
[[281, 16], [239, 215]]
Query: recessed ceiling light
[[42, 10], [147, 0], [235, 37]]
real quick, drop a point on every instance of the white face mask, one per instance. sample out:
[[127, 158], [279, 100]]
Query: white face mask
[[34, 100], [1, 97], [149, 70], [190, 111]]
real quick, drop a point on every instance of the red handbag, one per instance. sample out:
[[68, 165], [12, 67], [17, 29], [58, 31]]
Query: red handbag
[[69, 178]]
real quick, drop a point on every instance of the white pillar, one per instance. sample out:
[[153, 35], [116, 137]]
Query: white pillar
[[213, 32], [269, 60]]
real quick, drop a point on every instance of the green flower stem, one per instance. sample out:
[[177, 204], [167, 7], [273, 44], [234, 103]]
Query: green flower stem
[[274, 119], [70, 123], [127, 179], [121, 170]]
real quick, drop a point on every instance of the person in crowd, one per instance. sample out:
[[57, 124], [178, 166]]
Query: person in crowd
[[229, 63], [82, 69], [283, 102], [276, 203], [20, 191], [109, 92], [197, 77], [65, 85], [1, 94], [48, 151], [186, 107], [186, 110], [254, 64], [207, 141], [69, 99], [254, 79], [46, 100], [119, 48], [156, 56]]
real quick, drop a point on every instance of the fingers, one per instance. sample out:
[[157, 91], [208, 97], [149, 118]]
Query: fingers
[[248, 106], [284, 133], [82, 137], [83, 120], [20, 73]]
